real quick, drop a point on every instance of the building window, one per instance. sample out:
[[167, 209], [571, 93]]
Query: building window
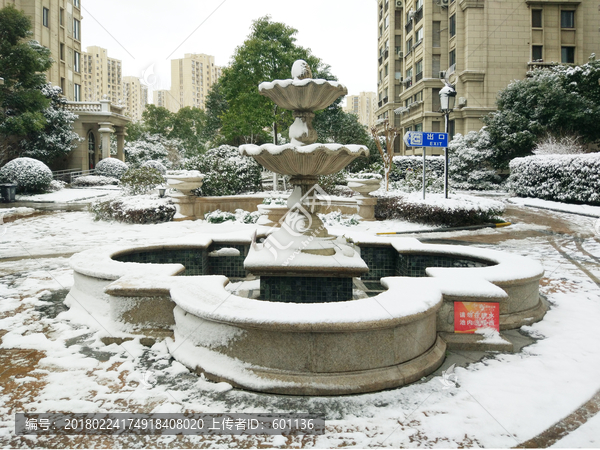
[[452, 25], [567, 55], [61, 16], [76, 61], [436, 34], [536, 18], [419, 127], [419, 70], [62, 52], [567, 19], [435, 100], [63, 85], [436, 65], [537, 53], [77, 92], [76, 3], [409, 45], [452, 58], [420, 35], [76, 29], [45, 16]]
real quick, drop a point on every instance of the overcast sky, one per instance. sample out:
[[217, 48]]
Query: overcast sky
[[145, 35]]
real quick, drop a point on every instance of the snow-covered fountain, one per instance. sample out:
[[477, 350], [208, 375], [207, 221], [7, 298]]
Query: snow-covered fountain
[[303, 312]]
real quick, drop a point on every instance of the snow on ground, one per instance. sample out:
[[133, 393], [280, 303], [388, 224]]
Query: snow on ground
[[593, 211], [500, 401], [67, 195], [586, 436]]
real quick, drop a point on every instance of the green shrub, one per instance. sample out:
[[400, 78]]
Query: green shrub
[[226, 172], [30, 175], [111, 167], [456, 211], [141, 180], [139, 209]]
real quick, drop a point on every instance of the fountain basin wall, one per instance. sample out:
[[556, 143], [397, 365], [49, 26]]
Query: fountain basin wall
[[354, 346]]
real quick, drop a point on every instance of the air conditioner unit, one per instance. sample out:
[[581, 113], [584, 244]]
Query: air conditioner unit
[[444, 2], [411, 15], [398, 3], [442, 75], [462, 102], [400, 54]]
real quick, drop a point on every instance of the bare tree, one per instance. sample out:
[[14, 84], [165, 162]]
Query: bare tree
[[390, 134]]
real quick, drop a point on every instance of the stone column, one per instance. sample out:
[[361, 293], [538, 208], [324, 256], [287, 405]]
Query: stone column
[[106, 130], [121, 133]]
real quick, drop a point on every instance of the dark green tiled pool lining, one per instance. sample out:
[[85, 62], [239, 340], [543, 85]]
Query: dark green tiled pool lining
[[305, 289], [383, 261]]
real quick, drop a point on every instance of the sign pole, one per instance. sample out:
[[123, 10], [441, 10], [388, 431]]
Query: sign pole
[[446, 160], [424, 154]]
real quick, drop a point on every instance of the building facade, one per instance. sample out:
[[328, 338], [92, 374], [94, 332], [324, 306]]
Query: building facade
[[102, 76], [162, 98], [56, 24], [364, 106], [478, 46], [191, 79], [135, 96]]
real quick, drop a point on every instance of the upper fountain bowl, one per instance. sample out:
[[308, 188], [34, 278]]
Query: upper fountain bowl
[[302, 95]]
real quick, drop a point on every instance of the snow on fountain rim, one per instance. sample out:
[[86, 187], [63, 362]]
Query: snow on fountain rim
[[268, 85], [207, 298], [253, 150]]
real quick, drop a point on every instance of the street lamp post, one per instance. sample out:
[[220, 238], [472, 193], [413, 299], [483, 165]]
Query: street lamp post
[[447, 99]]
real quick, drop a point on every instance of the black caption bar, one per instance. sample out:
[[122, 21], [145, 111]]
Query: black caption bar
[[167, 424]]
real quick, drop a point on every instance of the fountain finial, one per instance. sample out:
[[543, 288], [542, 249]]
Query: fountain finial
[[301, 70]]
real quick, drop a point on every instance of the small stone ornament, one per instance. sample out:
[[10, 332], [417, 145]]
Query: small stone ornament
[[301, 70]]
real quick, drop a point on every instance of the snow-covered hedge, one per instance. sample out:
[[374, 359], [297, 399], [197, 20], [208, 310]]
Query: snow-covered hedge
[[563, 178], [141, 180], [111, 167], [470, 167], [226, 171], [94, 180], [456, 211], [30, 175], [406, 164], [156, 165], [240, 216], [143, 209]]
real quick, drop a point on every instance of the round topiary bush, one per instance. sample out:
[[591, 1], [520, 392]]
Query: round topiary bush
[[156, 165], [111, 167], [30, 175]]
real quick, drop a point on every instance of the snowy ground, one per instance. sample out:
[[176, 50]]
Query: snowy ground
[[49, 362]]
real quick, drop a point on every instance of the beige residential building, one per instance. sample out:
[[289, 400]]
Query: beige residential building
[[135, 96], [191, 79], [102, 76], [364, 106], [478, 46], [164, 99], [57, 26]]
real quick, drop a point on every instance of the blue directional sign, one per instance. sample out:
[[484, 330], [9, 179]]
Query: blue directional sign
[[425, 139]]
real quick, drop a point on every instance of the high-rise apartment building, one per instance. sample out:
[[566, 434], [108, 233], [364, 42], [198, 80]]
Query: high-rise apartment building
[[364, 106], [101, 76], [191, 79], [57, 26], [479, 46], [135, 97], [163, 99]]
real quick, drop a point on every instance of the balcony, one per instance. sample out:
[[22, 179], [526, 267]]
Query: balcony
[[408, 27], [419, 15], [418, 77]]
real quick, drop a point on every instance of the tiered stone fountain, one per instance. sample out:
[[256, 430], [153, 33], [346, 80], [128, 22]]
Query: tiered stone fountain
[[308, 332]]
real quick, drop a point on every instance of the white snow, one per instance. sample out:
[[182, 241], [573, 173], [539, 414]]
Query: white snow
[[586, 210], [267, 85], [251, 149], [64, 196]]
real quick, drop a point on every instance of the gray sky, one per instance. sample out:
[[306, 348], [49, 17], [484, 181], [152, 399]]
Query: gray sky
[[145, 35]]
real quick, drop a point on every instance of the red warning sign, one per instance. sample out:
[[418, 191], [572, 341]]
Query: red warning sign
[[470, 316]]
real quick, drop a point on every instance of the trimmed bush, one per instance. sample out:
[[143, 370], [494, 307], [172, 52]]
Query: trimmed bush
[[562, 178], [94, 180], [156, 165], [111, 167], [141, 180], [404, 165], [140, 209], [240, 216], [226, 172], [30, 175], [456, 211], [470, 167]]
